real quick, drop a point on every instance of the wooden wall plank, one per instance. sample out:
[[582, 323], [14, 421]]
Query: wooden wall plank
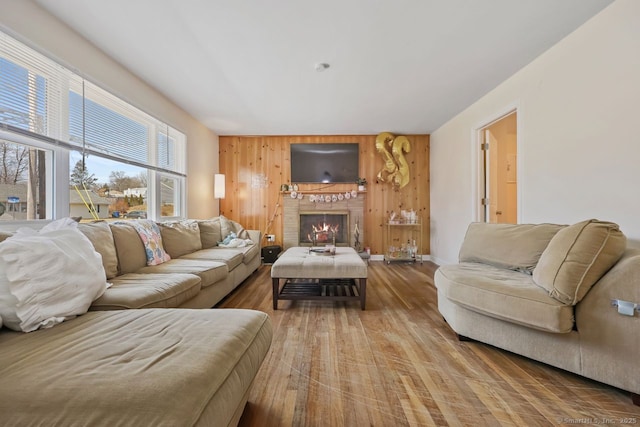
[[242, 157]]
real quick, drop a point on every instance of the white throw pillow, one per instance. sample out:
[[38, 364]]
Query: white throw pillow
[[48, 276]]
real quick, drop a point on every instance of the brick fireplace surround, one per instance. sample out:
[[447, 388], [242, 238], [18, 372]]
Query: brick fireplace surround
[[293, 207]]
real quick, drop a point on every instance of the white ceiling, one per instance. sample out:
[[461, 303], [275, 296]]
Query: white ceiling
[[246, 67]]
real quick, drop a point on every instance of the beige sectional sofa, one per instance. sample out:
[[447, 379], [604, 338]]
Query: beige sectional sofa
[[135, 358], [549, 292], [199, 274]]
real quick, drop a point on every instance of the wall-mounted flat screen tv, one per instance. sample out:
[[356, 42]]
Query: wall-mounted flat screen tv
[[324, 163]]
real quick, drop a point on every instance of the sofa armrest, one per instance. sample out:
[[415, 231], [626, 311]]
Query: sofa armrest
[[604, 332], [620, 282], [255, 236]]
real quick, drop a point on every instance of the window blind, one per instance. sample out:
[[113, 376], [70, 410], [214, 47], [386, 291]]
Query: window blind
[[31, 94], [40, 97]]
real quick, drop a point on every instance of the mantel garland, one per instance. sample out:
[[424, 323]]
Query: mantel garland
[[325, 198]]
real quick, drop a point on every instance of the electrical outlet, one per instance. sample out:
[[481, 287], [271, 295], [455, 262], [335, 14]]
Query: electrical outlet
[[271, 238]]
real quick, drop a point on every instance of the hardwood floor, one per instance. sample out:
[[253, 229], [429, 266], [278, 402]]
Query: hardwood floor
[[399, 364]]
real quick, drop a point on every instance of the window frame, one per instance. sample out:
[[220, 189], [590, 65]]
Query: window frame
[[57, 161]]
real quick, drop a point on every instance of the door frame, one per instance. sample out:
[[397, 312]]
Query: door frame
[[477, 160]]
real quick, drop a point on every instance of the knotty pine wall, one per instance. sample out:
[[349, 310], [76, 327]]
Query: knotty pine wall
[[243, 157]]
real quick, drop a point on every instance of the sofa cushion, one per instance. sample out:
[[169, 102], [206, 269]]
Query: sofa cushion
[[513, 246], [210, 232], [577, 257], [232, 257], [129, 248], [226, 226], [136, 290], [180, 237], [155, 367], [249, 253], [100, 236], [209, 271], [503, 294]]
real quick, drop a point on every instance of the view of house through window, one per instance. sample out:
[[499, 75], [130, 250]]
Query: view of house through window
[[103, 188]]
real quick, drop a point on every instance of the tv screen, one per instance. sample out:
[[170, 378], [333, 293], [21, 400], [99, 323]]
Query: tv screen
[[324, 163]]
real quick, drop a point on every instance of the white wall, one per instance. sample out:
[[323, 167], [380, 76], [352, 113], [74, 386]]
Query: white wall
[[579, 149], [34, 26]]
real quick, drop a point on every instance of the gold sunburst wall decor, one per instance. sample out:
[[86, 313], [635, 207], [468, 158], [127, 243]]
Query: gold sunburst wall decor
[[393, 149]]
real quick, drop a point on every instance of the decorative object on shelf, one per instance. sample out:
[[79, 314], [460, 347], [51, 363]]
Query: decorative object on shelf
[[340, 196], [284, 187], [295, 187], [354, 194], [392, 149], [347, 195], [294, 194], [392, 218], [362, 182], [300, 196], [409, 217]]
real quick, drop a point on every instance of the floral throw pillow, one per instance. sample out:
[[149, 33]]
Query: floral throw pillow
[[149, 233]]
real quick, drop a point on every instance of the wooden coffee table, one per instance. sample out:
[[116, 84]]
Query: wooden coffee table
[[307, 275]]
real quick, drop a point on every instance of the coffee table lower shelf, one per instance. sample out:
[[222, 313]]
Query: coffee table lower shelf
[[320, 289]]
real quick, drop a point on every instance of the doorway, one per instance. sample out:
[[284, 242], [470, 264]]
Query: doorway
[[499, 148]]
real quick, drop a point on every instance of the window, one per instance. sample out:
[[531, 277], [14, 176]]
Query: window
[[117, 157], [170, 191], [99, 181], [23, 182]]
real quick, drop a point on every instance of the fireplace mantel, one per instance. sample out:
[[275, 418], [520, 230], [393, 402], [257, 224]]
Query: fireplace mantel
[[293, 207]]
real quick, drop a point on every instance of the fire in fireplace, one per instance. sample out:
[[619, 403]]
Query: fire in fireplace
[[324, 228]]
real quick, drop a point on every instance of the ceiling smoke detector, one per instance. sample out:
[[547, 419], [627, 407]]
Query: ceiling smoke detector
[[321, 66]]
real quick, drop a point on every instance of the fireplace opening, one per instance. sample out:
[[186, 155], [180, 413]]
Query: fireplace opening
[[324, 228]]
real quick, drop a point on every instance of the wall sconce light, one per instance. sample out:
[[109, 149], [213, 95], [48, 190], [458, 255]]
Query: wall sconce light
[[218, 186]]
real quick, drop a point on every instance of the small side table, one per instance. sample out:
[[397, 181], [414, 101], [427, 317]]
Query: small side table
[[270, 254]]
